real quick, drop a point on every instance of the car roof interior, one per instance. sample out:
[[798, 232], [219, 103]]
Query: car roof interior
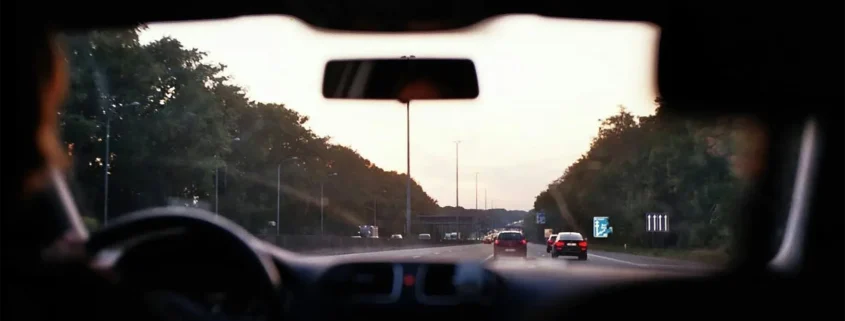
[[779, 63]]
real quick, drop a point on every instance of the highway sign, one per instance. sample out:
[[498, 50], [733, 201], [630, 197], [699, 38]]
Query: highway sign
[[601, 226], [657, 222], [541, 218]]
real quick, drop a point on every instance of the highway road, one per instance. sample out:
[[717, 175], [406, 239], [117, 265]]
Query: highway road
[[536, 255]]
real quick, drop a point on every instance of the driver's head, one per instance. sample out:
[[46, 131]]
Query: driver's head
[[38, 124], [420, 89]]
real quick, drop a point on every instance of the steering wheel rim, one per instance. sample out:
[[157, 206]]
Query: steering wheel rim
[[139, 224]]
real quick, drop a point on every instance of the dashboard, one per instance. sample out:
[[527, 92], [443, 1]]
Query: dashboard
[[332, 288]]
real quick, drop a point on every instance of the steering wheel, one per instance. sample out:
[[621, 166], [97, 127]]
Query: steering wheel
[[146, 224]]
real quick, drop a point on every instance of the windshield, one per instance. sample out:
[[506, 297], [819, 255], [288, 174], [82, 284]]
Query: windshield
[[510, 236], [570, 237], [568, 133]]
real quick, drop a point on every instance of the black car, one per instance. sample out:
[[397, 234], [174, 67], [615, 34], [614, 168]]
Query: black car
[[570, 244]]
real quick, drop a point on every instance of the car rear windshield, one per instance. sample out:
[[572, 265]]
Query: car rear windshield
[[510, 236], [571, 237]]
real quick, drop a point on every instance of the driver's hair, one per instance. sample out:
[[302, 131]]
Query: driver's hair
[[41, 149]]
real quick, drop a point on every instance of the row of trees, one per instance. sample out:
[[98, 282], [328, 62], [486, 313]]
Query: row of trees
[[171, 121], [691, 169]]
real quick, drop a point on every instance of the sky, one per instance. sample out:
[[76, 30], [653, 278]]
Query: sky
[[544, 84]]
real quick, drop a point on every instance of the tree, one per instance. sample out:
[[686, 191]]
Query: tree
[[658, 163], [173, 120]]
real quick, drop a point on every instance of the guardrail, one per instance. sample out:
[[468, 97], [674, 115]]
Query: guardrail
[[330, 245]]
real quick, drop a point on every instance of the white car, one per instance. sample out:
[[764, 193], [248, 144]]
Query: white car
[[396, 236]]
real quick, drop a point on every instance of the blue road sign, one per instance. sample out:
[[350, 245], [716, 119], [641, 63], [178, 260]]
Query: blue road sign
[[601, 227], [541, 218]]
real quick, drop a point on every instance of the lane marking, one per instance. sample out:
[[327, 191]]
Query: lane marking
[[617, 260], [397, 252], [488, 258], [416, 256], [436, 253], [682, 266]]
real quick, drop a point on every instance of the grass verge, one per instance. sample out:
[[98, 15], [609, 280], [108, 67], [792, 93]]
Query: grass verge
[[708, 256]]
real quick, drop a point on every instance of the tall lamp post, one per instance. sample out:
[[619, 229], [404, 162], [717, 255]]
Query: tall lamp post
[[321, 201], [408, 159], [476, 191], [279, 191], [457, 200], [217, 185]]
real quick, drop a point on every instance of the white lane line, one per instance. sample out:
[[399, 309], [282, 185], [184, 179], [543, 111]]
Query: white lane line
[[646, 265], [394, 252], [488, 258], [618, 260], [436, 253]]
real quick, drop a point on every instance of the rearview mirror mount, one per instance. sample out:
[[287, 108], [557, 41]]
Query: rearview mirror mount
[[403, 79]]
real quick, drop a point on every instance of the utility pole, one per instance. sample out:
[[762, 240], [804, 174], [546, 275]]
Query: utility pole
[[485, 199]]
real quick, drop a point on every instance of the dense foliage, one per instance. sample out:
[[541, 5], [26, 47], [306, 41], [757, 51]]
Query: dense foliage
[[690, 169], [175, 120]]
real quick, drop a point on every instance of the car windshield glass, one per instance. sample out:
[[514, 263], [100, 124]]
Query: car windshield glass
[[571, 237], [511, 236], [568, 134]]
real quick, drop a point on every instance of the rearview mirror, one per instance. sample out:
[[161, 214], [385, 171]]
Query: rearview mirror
[[402, 79]]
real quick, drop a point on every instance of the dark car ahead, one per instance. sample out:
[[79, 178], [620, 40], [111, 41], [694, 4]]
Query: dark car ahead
[[510, 244], [570, 244], [550, 242]]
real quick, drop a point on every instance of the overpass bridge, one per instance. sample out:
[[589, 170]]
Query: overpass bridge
[[438, 225]]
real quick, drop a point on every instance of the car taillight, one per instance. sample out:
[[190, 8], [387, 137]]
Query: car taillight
[[524, 242], [559, 244], [497, 242], [582, 244]]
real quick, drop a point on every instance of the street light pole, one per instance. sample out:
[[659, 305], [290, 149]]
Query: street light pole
[[321, 207], [408, 167], [279, 192], [408, 160], [216, 187], [457, 200], [278, 195], [217, 183], [476, 191], [106, 171], [103, 95], [323, 182]]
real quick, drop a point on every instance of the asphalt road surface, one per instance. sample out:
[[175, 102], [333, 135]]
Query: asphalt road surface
[[536, 255]]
